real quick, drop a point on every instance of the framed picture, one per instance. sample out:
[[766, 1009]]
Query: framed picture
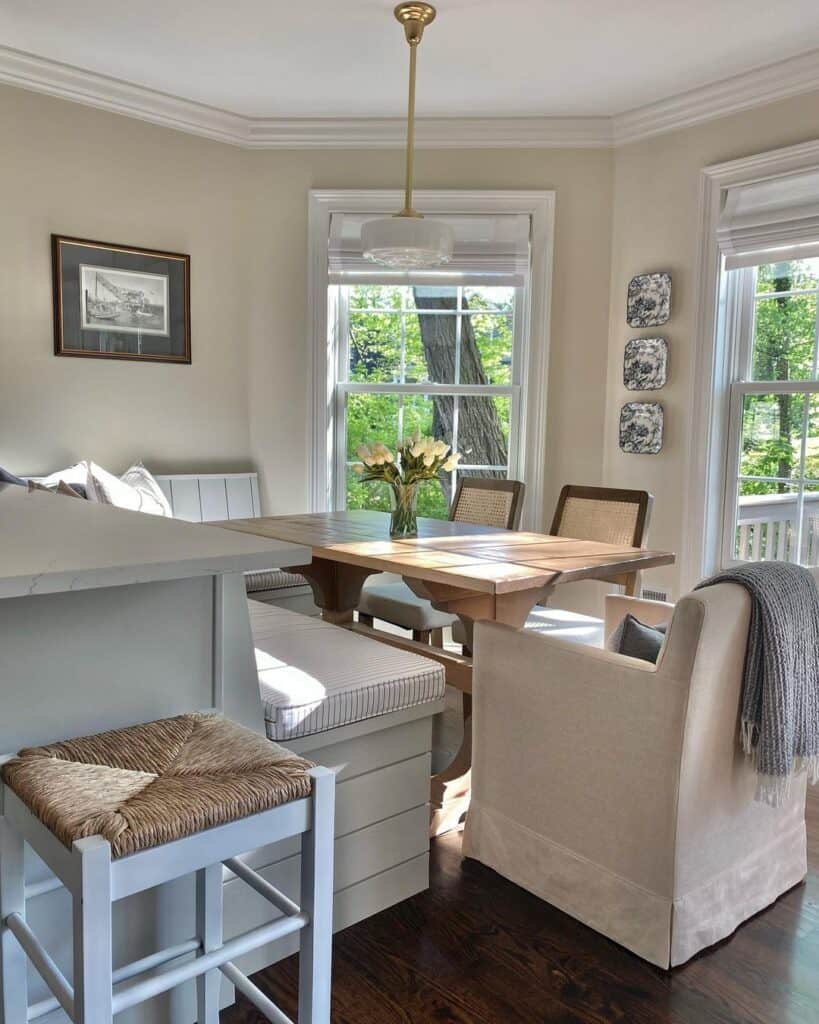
[[645, 364], [120, 302], [648, 303], [641, 428]]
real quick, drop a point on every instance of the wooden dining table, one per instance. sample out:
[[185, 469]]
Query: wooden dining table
[[474, 572]]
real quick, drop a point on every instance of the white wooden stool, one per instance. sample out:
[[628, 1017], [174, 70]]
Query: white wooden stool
[[120, 812]]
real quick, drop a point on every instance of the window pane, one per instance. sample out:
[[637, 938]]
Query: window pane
[[787, 275], [487, 341], [432, 417], [483, 430], [784, 337], [501, 300], [371, 418], [487, 335], [375, 347], [373, 495], [375, 296], [432, 336], [810, 524], [767, 522], [771, 437], [812, 442]]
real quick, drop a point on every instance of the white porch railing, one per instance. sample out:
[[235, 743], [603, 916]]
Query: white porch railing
[[767, 528]]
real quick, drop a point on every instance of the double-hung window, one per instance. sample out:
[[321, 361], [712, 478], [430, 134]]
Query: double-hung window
[[770, 292], [441, 353]]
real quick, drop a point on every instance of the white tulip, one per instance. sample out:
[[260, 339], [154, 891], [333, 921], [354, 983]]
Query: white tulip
[[449, 465], [369, 460], [441, 448], [417, 450], [362, 451], [358, 468], [429, 458], [389, 457]]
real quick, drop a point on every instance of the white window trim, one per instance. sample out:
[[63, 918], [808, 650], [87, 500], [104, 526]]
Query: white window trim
[[712, 364], [739, 332], [539, 206]]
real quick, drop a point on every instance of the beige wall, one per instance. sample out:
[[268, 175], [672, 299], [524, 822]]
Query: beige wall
[[655, 227], [75, 171]]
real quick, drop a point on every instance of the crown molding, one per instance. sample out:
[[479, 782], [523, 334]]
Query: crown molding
[[755, 88], [27, 71], [741, 92], [37, 74], [430, 133]]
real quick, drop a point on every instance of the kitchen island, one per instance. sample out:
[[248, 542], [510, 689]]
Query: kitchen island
[[109, 618]]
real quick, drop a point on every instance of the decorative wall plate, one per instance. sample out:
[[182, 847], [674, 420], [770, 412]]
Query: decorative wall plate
[[649, 300], [645, 364], [641, 428]]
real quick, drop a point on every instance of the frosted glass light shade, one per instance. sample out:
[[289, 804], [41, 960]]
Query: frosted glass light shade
[[407, 242]]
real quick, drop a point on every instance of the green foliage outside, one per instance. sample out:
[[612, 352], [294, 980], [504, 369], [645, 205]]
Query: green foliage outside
[[385, 347], [784, 343]]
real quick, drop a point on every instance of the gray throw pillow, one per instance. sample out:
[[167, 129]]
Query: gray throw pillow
[[10, 478], [637, 640]]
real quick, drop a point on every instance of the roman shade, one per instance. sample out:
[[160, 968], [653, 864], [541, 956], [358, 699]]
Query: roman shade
[[490, 249], [771, 220]]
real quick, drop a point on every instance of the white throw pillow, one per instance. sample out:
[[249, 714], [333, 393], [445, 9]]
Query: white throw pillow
[[145, 483], [108, 489], [75, 476]]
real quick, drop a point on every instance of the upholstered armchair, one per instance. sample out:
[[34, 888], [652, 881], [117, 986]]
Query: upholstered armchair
[[616, 789]]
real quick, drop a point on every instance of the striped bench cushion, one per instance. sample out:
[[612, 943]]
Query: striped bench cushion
[[314, 676], [272, 579]]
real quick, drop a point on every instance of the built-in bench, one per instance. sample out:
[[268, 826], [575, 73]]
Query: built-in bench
[[209, 497], [365, 710]]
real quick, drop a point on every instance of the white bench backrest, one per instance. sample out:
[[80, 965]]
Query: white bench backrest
[[204, 497]]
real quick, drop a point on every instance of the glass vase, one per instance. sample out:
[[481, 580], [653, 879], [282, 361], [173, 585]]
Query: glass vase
[[404, 520]]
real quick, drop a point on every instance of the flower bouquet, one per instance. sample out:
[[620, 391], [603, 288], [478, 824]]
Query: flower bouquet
[[417, 459]]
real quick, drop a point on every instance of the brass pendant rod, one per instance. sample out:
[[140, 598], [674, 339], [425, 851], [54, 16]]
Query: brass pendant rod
[[408, 210]]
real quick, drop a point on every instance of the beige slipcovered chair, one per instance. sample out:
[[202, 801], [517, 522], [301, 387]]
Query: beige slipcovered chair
[[479, 500], [617, 790]]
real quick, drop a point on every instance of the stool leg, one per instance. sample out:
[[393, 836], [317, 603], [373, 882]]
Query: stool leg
[[316, 948], [13, 962], [209, 931], [93, 984]]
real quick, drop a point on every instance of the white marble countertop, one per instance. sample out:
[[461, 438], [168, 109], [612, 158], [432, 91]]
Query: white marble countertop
[[51, 543]]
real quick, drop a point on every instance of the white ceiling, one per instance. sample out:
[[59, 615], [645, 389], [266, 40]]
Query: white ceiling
[[481, 58]]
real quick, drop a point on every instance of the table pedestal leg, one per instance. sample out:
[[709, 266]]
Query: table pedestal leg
[[336, 587]]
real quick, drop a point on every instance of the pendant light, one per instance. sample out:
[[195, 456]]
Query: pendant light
[[407, 240]]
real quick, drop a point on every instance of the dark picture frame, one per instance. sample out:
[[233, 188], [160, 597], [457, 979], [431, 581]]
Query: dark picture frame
[[120, 301]]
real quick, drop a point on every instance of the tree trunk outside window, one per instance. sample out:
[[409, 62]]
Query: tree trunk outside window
[[480, 434]]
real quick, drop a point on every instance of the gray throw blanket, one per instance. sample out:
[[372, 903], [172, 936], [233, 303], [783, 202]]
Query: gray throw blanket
[[780, 691]]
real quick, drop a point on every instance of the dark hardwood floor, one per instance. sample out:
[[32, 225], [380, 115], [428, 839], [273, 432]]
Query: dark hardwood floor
[[476, 948]]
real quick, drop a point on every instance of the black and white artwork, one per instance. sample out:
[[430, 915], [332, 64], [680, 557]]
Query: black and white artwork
[[116, 301], [123, 300], [649, 300], [645, 364], [641, 428]]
